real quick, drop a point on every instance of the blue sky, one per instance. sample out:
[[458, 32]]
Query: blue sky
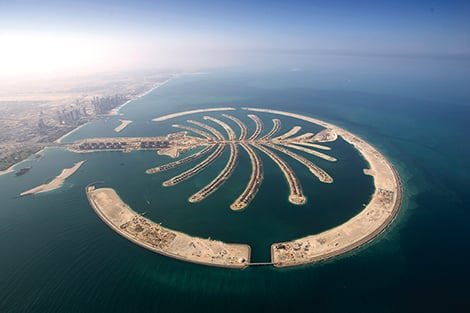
[[148, 28], [404, 26]]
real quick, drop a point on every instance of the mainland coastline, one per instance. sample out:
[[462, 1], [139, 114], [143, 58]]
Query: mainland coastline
[[116, 111], [8, 170]]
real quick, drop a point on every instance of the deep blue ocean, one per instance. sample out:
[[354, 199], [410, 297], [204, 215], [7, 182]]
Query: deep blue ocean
[[56, 255]]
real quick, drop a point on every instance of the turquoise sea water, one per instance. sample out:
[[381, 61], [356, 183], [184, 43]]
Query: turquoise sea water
[[57, 255]]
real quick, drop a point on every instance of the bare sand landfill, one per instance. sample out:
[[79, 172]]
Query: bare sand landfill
[[124, 124], [150, 235]]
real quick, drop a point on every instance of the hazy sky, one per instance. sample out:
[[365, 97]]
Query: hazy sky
[[49, 37]]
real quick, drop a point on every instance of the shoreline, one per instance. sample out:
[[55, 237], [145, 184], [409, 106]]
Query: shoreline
[[259, 127], [370, 222], [55, 183], [186, 245], [173, 115], [9, 170], [359, 244], [69, 133], [241, 125], [195, 169], [252, 187], [223, 175], [116, 111], [360, 229], [59, 140], [296, 195], [12, 167]]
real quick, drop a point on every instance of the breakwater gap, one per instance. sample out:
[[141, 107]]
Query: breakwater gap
[[261, 264]]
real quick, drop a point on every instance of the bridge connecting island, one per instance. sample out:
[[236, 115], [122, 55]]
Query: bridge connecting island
[[205, 137]]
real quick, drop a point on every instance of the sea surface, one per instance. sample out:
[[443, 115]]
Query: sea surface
[[56, 255]]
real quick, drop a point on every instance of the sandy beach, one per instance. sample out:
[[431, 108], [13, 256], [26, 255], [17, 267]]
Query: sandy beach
[[116, 111], [56, 182], [69, 133], [8, 170]]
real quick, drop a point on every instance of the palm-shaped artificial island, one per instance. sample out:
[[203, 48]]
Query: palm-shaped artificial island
[[213, 140], [216, 141], [211, 135]]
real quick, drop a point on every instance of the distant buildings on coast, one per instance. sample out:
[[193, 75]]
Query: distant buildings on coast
[[71, 116], [103, 105], [79, 113]]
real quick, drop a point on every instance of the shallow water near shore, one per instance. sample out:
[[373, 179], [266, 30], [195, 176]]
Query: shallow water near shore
[[58, 256]]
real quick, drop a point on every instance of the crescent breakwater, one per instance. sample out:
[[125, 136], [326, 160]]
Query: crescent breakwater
[[173, 115], [122, 219], [370, 222]]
